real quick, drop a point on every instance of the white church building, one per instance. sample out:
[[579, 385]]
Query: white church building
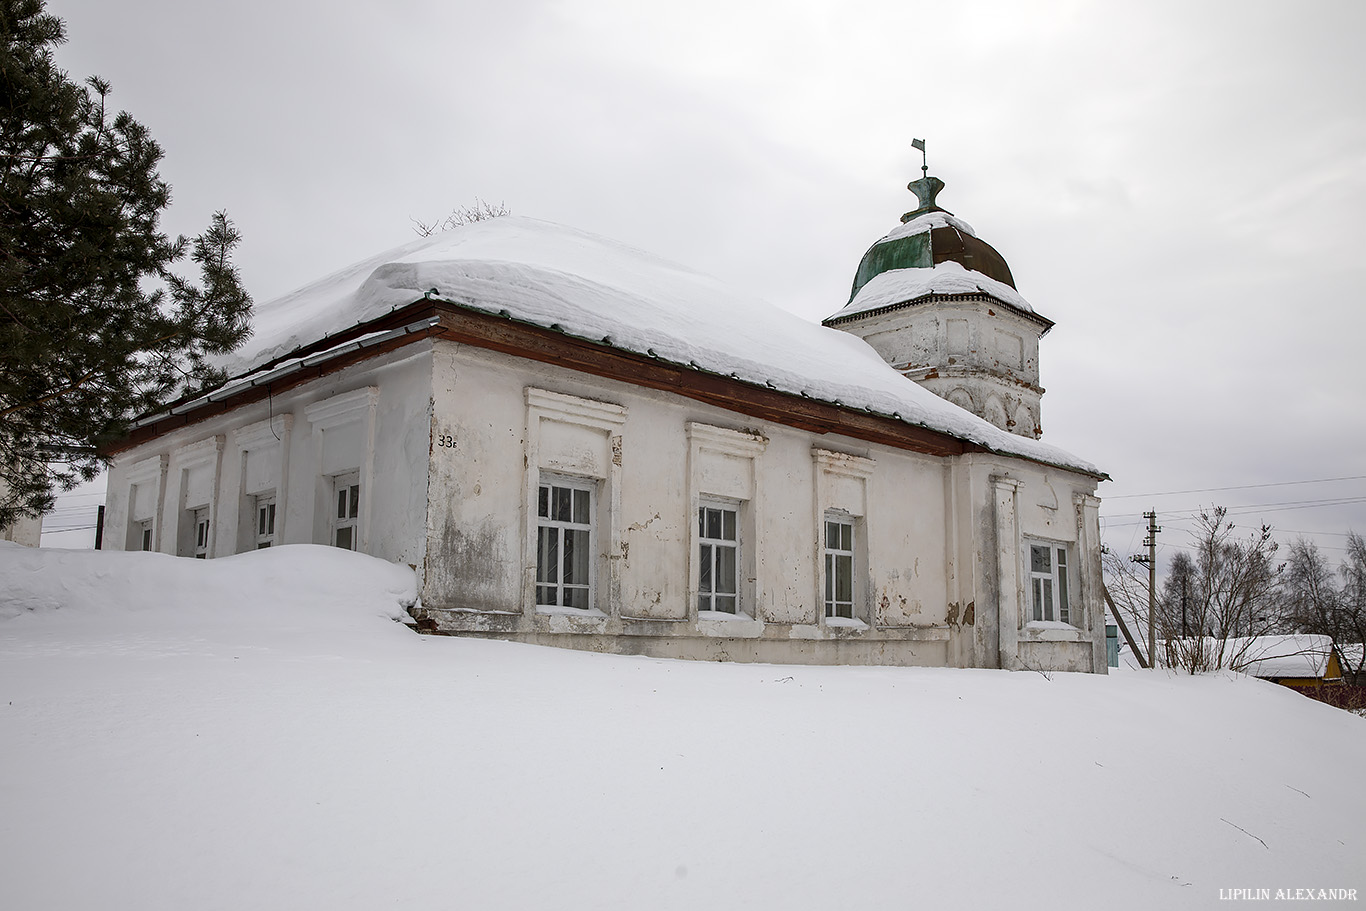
[[577, 443]]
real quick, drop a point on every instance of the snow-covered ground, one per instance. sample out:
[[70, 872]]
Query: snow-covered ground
[[257, 732]]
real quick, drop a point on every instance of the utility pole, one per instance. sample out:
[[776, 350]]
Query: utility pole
[[1151, 560]]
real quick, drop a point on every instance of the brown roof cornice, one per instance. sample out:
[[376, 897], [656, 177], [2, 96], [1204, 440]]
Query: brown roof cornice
[[466, 325]]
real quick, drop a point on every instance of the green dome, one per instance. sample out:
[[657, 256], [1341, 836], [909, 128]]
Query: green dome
[[929, 236]]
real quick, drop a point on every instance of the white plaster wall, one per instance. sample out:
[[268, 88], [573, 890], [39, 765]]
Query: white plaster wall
[[292, 466], [918, 336], [978, 355], [479, 561], [448, 477], [27, 530], [1049, 507]]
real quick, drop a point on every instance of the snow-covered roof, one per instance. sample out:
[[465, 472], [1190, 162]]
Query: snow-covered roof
[[896, 286], [603, 291], [1300, 656]]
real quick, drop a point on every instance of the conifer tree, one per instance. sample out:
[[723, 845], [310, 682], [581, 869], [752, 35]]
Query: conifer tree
[[95, 327]]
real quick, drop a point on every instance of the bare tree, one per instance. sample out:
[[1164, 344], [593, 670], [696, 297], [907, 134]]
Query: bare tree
[[1174, 603], [461, 216], [1315, 603], [1214, 603], [1353, 601]]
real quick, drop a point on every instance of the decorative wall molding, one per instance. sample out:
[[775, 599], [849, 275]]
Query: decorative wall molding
[[199, 453], [264, 433], [342, 408], [747, 444], [572, 409], [842, 463]]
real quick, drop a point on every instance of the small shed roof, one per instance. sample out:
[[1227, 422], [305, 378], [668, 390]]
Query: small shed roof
[[1299, 656]]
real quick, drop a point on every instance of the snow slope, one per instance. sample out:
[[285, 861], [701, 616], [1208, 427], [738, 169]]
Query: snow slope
[[267, 737], [597, 289]]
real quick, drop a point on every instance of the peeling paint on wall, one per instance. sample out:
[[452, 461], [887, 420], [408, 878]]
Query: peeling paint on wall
[[464, 569]]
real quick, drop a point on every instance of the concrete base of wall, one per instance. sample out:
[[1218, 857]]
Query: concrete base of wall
[[752, 641]]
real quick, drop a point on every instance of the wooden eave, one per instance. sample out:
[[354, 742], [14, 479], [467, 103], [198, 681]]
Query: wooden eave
[[457, 323], [173, 418], [535, 343]]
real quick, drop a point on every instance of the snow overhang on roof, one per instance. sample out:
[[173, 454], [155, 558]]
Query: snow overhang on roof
[[607, 293], [1296, 656], [896, 287]]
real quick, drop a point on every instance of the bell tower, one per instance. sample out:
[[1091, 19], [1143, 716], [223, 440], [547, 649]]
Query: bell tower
[[939, 304]]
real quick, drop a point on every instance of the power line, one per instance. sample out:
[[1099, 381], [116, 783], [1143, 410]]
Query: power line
[[1243, 509], [1297, 531], [1169, 493]]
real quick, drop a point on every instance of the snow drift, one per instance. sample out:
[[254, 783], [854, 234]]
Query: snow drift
[[267, 737], [298, 583]]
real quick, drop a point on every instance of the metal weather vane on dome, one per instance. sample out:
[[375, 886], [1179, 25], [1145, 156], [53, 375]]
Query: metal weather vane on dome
[[925, 188]]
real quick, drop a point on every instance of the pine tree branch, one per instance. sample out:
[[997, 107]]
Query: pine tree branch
[[52, 395]]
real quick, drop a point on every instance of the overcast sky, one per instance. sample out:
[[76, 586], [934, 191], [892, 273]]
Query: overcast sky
[[1179, 185]]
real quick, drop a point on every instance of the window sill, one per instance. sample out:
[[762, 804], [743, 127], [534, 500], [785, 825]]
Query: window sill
[[569, 611], [846, 622], [720, 623], [1052, 631]]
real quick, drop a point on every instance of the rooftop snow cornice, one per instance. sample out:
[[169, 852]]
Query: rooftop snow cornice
[[594, 289]]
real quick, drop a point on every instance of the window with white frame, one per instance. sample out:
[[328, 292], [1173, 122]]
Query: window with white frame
[[718, 535], [145, 534], [839, 566], [346, 510], [1048, 583], [564, 544], [201, 533], [263, 532]]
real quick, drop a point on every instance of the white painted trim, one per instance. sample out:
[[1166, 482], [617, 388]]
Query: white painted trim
[[857, 542], [1009, 588], [342, 408], [743, 609], [827, 463], [274, 431], [208, 451], [608, 419], [741, 444], [1027, 580], [147, 469], [842, 463], [1089, 578], [258, 437], [571, 409], [589, 486], [142, 472], [748, 444], [199, 453]]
